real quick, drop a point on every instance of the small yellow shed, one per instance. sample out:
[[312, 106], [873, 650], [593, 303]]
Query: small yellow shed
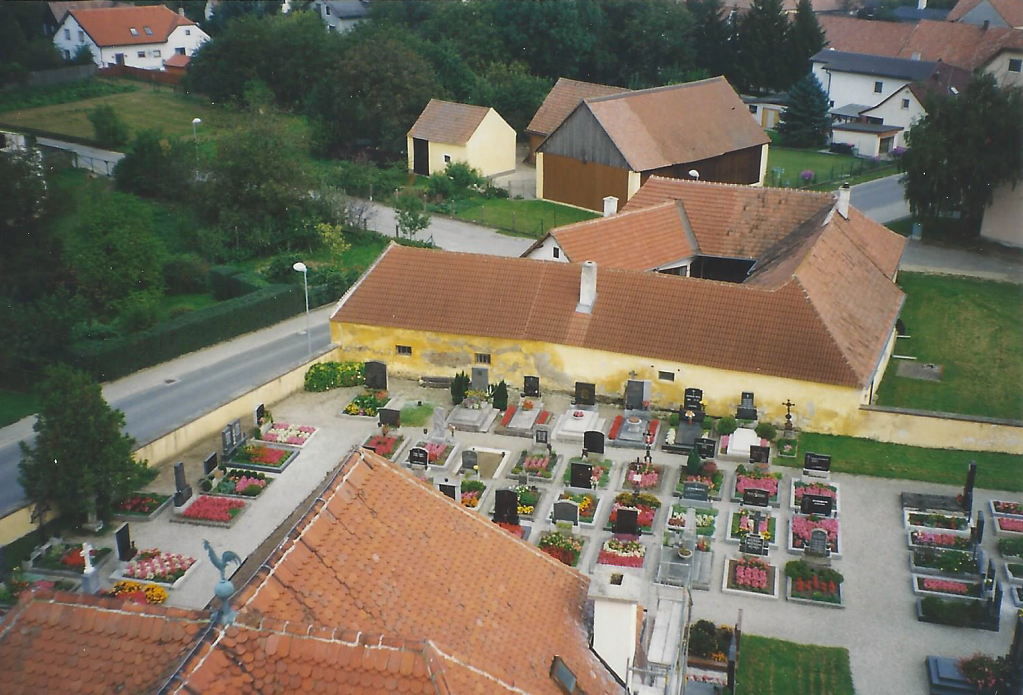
[[449, 132]]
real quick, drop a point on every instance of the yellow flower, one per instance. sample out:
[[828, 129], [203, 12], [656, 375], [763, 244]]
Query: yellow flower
[[155, 594]]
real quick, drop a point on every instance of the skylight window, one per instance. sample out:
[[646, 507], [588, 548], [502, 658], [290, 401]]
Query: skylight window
[[134, 31], [149, 32]]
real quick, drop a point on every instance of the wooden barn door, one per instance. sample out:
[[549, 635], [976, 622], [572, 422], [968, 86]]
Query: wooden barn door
[[421, 156]]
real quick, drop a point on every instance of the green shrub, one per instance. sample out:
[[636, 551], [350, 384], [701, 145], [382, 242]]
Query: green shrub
[[765, 430], [65, 92], [956, 613], [797, 569], [139, 310], [332, 375], [228, 282], [706, 627], [281, 268], [701, 644], [459, 387], [726, 425], [673, 419], [108, 127], [500, 398], [186, 273], [693, 464]]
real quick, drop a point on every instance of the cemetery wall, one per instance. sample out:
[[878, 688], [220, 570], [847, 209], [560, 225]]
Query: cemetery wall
[[19, 523], [938, 430]]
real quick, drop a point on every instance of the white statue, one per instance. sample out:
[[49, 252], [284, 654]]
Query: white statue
[[87, 553]]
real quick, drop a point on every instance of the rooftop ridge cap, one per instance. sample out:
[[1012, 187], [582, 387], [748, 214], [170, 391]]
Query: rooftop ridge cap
[[615, 216], [479, 672], [652, 90], [743, 186]]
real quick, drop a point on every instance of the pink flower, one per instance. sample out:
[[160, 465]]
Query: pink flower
[[1015, 525]]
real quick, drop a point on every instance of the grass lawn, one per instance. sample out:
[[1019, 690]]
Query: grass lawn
[[825, 165], [416, 415], [530, 218], [995, 471], [974, 328], [14, 406], [776, 667]]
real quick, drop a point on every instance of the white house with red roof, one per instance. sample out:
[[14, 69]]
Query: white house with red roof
[[138, 36]]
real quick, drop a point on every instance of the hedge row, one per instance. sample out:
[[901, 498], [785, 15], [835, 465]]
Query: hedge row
[[228, 282], [114, 358]]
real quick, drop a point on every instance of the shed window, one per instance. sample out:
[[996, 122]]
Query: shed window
[[752, 108], [1015, 64], [557, 252], [878, 87], [482, 358], [134, 31], [403, 349], [141, 54], [666, 376], [447, 158], [905, 103], [188, 32]]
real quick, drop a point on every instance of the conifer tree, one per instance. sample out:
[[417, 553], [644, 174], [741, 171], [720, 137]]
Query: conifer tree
[[806, 39], [763, 57], [805, 122]]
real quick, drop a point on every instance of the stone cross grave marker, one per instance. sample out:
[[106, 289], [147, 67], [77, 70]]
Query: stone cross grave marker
[[627, 522], [531, 386], [86, 554], [470, 459], [376, 376], [581, 475], [418, 456], [818, 545], [699, 492], [542, 435], [506, 507], [707, 448], [439, 425], [593, 441], [585, 393], [125, 548], [566, 510], [759, 454], [820, 505], [182, 490], [754, 497], [210, 464], [693, 399], [389, 417], [816, 464], [480, 380], [634, 394], [449, 489]]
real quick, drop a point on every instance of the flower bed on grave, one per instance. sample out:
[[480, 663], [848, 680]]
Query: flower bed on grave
[[799, 488], [939, 540], [437, 453], [787, 447], [513, 529], [367, 404], [601, 474], [155, 565], [937, 520], [292, 435], [213, 511], [472, 493], [1011, 547], [386, 445], [746, 479], [706, 519], [538, 465], [957, 613], [741, 523], [934, 561], [709, 475], [619, 422], [1014, 571], [67, 557], [529, 500], [948, 587], [259, 457], [137, 592], [814, 584], [708, 644], [141, 506], [751, 575], [622, 551], [563, 547], [640, 475], [1002, 508], [801, 527], [587, 502], [643, 502], [239, 483], [1007, 524]]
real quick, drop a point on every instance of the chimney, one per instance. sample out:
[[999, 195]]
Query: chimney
[[610, 206], [987, 23], [181, 11], [921, 4], [916, 56], [615, 596], [843, 200], [587, 288]]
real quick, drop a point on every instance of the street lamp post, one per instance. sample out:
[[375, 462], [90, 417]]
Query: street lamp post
[[301, 268], [195, 138], [695, 174]]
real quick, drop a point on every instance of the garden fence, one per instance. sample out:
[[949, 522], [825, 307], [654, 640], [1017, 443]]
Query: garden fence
[[779, 177]]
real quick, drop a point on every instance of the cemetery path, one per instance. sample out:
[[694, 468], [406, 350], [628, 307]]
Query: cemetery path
[[454, 235]]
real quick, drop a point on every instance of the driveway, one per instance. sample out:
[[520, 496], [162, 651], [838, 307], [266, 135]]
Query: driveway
[[453, 235], [882, 200], [520, 183]]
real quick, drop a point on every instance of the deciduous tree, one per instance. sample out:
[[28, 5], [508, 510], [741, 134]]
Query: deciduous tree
[[410, 213], [108, 127]]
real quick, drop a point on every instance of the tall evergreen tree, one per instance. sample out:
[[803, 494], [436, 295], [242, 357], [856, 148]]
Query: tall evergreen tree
[[805, 122], [713, 37], [763, 37], [806, 38]]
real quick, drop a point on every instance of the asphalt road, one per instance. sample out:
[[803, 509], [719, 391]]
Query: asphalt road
[[882, 200]]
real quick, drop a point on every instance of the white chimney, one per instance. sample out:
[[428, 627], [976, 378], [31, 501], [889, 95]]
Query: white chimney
[[843, 200], [610, 205], [921, 4], [616, 596], [587, 288]]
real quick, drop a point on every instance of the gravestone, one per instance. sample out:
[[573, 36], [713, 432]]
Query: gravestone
[[523, 479], [542, 435], [585, 393], [506, 507], [699, 492], [593, 441], [418, 456], [819, 463], [1016, 650], [693, 399], [818, 545], [480, 380], [182, 490], [753, 544], [707, 448], [566, 510], [754, 497], [634, 394], [226, 442], [452, 490], [531, 386], [819, 505], [759, 454], [260, 413], [581, 475], [389, 417], [210, 464], [971, 476], [470, 459], [627, 522], [125, 548], [236, 432], [376, 376], [3, 562], [977, 532], [746, 410], [439, 427]]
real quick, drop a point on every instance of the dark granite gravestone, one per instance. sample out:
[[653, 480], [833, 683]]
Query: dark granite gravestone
[[699, 492], [627, 522], [541, 435], [236, 433], [210, 464], [226, 442], [1016, 652], [693, 399], [449, 490], [581, 475], [977, 532], [707, 448], [260, 413], [470, 459], [418, 456], [817, 462], [585, 393], [182, 490], [3, 562], [746, 410], [566, 510], [531, 386], [818, 545], [480, 379], [376, 376], [759, 454], [634, 392], [971, 477], [523, 479], [506, 507], [819, 505], [125, 548], [593, 441], [389, 417], [754, 497], [753, 544]]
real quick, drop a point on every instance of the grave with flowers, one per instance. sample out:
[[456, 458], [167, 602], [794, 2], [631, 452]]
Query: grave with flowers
[[1009, 526], [154, 565], [141, 506], [290, 434], [932, 539], [947, 562], [814, 584], [745, 521], [563, 545], [588, 503], [622, 551], [947, 588], [387, 443], [474, 414], [19, 582], [1011, 549], [473, 490], [57, 558], [264, 457], [241, 484], [935, 521], [537, 464], [519, 420], [367, 404], [600, 475], [800, 488], [750, 575], [210, 510], [643, 476], [746, 479], [643, 503], [800, 528], [528, 500], [706, 520], [1011, 510], [710, 475], [438, 454]]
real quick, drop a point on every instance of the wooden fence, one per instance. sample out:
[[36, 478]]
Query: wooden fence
[[152, 76]]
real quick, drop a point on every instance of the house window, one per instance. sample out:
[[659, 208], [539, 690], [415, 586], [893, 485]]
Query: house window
[[67, 54], [666, 376], [831, 104], [67, 34], [188, 32], [905, 103], [482, 358], [81, 37], [447, 158], [557, 252], [403, 349], [562, 675], [134, 31], [753, 108], [156, 53], [326, 10], [141, 54], [878, 87], [149, 32], [180, 51], [1015, 64]]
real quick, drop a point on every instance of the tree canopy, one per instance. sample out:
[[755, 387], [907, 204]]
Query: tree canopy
[[805, 122]]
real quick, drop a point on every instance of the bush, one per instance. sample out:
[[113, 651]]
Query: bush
[[765, 430], [108, 127], [281, 268], [706, 627], [332, 375], [139, 311], [186, 273], [726, 425], [701, 644], [155, 166], [459, 387], [841, 148], [797, 569], [500, 399], [693, 463], [956, 613], [229, 282]]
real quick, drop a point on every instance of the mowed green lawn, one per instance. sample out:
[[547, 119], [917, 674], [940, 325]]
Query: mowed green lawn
[[776, 667], [974, 329], [825, 165], [14, 406], [532, 218]]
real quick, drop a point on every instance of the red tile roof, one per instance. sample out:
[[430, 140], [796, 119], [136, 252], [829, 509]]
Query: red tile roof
[[178, 60], [1009, 10], [564, 96], [449, 122], [112, 26]]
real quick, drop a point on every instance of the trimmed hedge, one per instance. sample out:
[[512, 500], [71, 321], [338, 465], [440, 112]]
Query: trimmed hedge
[[228, 282], [114, 358]]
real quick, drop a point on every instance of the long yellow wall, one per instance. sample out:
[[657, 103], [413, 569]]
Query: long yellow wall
[[491, 148], [19, 523], [937, 432]]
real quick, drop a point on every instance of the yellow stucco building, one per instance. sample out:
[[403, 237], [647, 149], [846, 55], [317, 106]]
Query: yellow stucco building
[[449, 132]]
